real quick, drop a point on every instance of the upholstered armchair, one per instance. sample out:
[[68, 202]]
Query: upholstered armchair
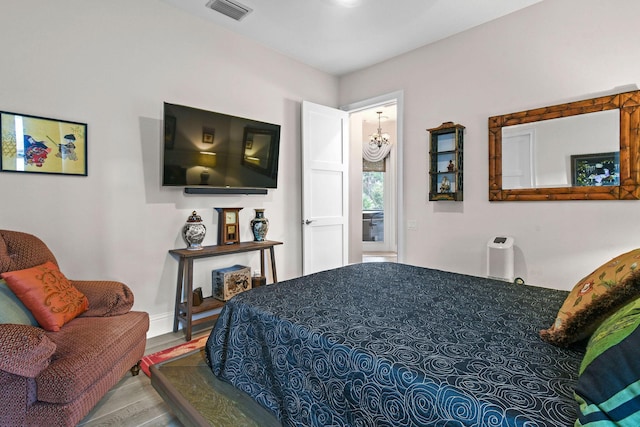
[[57, 363]]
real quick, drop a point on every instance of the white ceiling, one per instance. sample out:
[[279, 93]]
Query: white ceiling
[[338, 38], [389, 114]]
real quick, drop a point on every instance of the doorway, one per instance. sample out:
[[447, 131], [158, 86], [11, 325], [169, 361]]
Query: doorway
[[378, 184], [375, 190]]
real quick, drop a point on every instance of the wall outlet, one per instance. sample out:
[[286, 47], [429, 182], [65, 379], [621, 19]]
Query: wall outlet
[[412, 224]]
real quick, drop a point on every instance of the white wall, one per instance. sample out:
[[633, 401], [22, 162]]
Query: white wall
[[550, 53], [111, 65]]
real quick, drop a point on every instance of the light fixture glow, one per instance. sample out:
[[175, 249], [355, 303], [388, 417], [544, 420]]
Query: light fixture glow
[[347, 3], [207, 159]]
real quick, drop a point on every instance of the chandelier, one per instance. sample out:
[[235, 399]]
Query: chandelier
[[379, 138], [378, 146]]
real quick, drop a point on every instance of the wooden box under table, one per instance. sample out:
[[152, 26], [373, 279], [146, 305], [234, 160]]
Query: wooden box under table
[[230, 281]]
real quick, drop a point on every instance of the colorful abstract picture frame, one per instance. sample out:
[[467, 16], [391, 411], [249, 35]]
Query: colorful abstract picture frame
[[34, 144], [598, 169]]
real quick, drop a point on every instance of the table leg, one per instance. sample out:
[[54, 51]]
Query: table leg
[[189, 290], [262, 263], [176, 313], [273, 265]]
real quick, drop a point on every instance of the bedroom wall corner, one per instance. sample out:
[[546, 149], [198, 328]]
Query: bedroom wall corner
[[546, 54]]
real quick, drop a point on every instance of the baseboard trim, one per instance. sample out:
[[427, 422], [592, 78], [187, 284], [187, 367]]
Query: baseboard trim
[[160, 324]]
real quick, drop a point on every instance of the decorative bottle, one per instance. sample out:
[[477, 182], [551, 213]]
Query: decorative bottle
[[194, 232], [259, 226], [258, 280]]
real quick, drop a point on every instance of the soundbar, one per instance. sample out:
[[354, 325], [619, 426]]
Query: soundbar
[[224, 190]]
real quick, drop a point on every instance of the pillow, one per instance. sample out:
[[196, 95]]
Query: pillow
[[595, 298], [106, 297], [608, 388], [11, 308], [25, 350], [49, 296]]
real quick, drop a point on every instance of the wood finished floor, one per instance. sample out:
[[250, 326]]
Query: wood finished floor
[[134, 401]]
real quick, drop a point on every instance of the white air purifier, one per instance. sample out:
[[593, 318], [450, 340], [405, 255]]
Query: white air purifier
[[500, 262]]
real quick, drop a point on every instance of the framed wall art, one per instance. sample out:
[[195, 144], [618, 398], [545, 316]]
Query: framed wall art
[[42, 145], [208, 135], [601, 169]]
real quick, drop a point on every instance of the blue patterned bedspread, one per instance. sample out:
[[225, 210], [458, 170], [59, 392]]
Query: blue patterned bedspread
[[385, 344]]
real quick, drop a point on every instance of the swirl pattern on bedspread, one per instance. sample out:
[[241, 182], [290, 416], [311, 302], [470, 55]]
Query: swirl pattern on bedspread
[[389, 344]]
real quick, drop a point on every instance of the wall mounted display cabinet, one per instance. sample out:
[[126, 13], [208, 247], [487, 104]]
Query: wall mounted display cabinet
[[445, 162]]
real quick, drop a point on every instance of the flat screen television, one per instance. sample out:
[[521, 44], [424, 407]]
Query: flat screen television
[[209, 150]]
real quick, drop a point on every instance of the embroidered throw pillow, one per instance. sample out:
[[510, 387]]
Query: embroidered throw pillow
[[48, 294], [594, 298]]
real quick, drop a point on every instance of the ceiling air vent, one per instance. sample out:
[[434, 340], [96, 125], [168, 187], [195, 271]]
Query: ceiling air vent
[[232, 9]]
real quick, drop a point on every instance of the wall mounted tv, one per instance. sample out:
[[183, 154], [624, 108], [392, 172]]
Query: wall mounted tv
[[209, 152]]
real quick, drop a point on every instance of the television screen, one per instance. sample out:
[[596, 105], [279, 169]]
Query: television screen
[[208, 149]]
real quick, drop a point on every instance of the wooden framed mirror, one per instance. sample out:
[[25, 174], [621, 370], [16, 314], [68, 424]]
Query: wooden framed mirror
[[583, 170]]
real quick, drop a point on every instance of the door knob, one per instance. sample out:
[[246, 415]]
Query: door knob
[[307, 221]]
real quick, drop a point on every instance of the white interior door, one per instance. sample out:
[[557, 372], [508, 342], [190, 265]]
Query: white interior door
[[517, 159], [325, 175]]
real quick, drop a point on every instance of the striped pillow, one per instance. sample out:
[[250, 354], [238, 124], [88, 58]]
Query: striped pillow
[[608, 389]]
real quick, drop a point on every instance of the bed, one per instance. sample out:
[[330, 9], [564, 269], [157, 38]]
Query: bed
[[390, 344]]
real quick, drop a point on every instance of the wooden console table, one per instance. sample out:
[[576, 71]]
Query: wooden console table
[[184, 310]]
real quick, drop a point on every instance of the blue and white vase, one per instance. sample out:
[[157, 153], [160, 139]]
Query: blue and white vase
[[194, 231], [259, 226]]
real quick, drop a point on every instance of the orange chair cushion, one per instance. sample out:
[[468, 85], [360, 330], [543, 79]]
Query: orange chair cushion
[[48, 294]]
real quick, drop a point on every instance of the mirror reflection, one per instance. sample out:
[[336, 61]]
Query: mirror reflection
[[258, 150], [582, 150], [579, 150]]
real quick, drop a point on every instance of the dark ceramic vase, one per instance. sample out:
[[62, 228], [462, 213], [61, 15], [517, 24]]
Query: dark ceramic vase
[[259, 226]]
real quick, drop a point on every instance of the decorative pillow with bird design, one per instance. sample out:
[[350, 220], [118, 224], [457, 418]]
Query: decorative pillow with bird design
[[594, 298]]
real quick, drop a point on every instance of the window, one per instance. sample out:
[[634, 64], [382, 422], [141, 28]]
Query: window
[[373, 206]]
